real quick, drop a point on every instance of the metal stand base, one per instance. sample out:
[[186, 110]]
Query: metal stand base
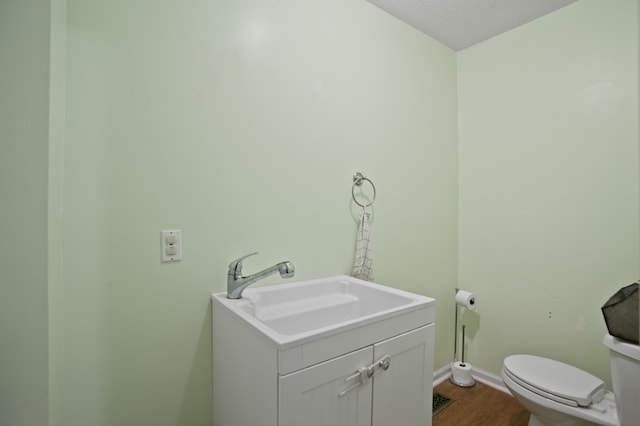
[[464, 385]]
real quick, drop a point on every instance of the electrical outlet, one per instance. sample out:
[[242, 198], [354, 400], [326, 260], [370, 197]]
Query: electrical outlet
[[171, 245]]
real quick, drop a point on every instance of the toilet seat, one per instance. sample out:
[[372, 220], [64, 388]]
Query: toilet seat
[[555, 380]]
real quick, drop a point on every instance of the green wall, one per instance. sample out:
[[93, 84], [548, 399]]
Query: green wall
[[24, 123], [240, 123], [55, 272], [509, 169], [548, 140]]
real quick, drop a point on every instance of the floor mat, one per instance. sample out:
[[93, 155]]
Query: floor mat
[[439, 402]]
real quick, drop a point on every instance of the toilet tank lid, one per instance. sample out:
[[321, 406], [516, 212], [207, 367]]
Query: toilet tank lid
[[556, 378], [625, 348]]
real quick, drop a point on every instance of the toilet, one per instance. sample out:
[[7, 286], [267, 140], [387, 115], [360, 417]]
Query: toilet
[[558, 394]]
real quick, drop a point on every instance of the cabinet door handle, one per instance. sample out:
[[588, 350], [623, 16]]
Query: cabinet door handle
[[382, 364], [364, 373]]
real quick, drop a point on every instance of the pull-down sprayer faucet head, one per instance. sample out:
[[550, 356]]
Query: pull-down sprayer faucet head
[[286, 269]]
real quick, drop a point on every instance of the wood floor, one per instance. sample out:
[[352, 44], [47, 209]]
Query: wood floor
[[479, 405]]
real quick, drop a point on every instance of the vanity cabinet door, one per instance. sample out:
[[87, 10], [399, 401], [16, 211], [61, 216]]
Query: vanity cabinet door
[[402, 394], [311, 397]]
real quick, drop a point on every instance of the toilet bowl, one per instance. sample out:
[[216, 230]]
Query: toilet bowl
[[558, 394]]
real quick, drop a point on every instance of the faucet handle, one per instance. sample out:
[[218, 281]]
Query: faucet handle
[[235, 267]]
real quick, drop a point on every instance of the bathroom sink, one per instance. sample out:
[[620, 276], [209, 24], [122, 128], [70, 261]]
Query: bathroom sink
[[303, 311]]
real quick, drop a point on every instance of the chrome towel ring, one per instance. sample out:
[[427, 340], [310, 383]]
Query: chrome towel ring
[[358, 178]]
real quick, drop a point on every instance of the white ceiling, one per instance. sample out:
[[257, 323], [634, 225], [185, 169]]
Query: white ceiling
[[463, 23]]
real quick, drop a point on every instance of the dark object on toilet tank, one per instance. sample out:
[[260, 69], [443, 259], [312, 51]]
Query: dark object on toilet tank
[[621, 313]]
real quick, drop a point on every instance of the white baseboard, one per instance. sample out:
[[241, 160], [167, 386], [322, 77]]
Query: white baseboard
[[441, 374], [489, 379]]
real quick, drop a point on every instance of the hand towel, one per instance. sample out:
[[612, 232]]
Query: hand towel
[[363, 261]]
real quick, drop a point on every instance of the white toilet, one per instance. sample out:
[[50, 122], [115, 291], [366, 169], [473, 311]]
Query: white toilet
[[558, 394]]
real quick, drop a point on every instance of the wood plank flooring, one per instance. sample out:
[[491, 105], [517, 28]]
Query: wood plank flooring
[[479, 405]]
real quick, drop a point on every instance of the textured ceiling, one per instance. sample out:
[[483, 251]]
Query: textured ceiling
[[463, 23]]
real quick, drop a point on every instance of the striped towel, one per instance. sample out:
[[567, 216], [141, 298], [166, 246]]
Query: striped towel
[[363, 261]]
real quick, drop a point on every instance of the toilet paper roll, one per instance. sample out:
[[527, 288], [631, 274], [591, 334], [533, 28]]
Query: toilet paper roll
[[461, 373], [466, 299]]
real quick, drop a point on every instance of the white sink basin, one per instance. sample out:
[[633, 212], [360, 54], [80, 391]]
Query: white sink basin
[[298, 311]]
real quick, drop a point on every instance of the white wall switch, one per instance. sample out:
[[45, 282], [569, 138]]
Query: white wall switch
[[171, 245]]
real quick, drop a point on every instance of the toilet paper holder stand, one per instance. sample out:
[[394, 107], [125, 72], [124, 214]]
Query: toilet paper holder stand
[[471, 382]]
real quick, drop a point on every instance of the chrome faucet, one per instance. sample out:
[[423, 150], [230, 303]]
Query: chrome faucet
[[236, 282]]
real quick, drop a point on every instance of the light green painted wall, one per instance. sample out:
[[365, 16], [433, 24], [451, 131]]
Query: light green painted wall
[[24, 121], [548, 140], [55, 290], [240, 123]]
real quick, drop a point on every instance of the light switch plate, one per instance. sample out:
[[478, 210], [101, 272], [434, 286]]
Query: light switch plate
[[171, 245]]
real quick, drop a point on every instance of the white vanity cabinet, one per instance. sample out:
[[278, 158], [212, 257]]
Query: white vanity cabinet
[[372, 370], [399, 395]]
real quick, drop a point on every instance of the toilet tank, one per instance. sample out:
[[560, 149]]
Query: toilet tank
[[625, 377]]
